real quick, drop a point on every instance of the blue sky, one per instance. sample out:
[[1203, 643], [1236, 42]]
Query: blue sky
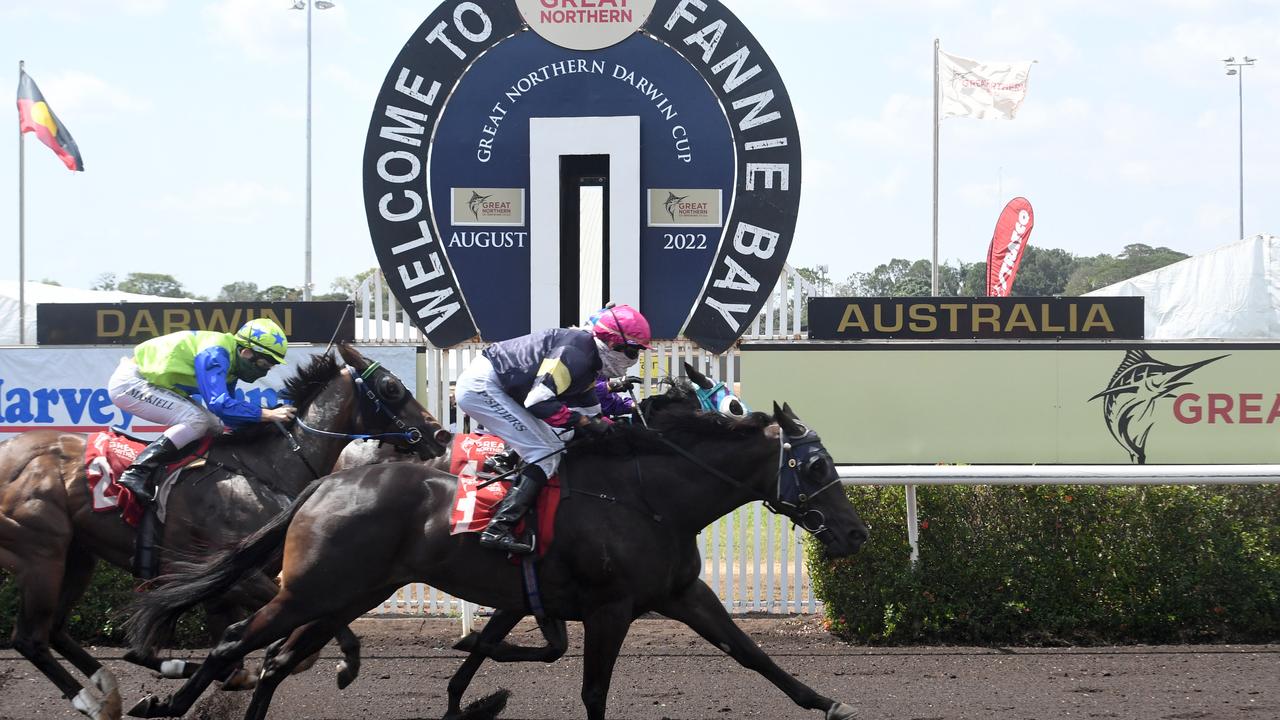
[[191, 120]]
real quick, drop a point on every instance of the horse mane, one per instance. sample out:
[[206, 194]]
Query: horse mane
[[301, 389], [679, 424]]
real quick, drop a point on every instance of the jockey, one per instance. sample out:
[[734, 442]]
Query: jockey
[[157, 382], [522, 390]]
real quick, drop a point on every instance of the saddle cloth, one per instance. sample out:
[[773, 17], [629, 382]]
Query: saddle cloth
[[473, 505], [107, 455]]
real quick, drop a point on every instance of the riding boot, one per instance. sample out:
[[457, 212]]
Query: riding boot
[[140, 477], [144, 545], [498, 536]]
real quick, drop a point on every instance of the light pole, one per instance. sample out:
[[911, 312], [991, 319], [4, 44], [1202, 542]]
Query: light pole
[[306, 5], [1237, 69]]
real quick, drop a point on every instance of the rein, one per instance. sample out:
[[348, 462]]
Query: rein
[[787, 468], [411, 435]]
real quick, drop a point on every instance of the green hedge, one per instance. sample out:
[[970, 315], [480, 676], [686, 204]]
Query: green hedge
[[1054, 565], [98, 618]]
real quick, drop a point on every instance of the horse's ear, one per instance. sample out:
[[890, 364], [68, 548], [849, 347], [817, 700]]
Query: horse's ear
[[786, 408], [787, 424], [698, 378], [351, 356]]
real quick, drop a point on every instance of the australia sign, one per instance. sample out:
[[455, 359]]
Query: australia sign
[[486, 100]]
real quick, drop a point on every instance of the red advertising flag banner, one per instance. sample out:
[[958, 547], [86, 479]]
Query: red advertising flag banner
[[1008, 245]]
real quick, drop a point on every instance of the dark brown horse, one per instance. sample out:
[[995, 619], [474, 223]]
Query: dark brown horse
[[625, 545], [50, 538]]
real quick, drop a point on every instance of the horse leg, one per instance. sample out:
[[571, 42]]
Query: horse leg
[[41, 586], [500, 623], [79, 571], [305, 642], [554, 631], [270, 623], [349, 666], [698, 607], [221, 616], [604, 630]]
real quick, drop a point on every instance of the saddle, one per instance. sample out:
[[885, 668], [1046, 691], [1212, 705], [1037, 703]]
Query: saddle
[[108, 454], [473, 505]]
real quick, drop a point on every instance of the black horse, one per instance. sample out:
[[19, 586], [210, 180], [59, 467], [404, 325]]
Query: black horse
[[625, 545], [50, 538]]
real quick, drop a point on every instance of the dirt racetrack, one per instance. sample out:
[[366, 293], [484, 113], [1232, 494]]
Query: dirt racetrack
[[667, 672]]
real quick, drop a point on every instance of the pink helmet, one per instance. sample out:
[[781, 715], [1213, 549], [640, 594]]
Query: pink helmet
[[621, 325]]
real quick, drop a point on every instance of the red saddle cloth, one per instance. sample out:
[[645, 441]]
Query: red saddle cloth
[[473, 505], [107, 455]]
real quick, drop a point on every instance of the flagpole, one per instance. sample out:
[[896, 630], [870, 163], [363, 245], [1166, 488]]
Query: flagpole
[[22, 229], [934, 286]]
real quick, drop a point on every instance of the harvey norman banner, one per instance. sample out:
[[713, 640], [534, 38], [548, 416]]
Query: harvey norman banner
[[1028, 403], [66, 388], [131, 323], [447, 168], [1020, 318]]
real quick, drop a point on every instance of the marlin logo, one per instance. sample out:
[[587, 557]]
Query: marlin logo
[[1129, 402], [475, 202], [672, 201]]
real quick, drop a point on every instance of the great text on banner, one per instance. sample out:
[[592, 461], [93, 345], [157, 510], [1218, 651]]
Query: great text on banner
[[932, 318]]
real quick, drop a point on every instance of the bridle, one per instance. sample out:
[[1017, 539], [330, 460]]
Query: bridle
[[379, 392], [790, 500]]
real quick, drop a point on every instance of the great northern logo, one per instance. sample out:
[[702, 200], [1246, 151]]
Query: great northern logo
[[1130, 400], [488, 207], [684, 207]]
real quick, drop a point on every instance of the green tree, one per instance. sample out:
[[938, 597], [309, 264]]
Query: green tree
[[904, 278], [152, 284], [1044, 272], [1103, 270], [346, 287], [105, 281], [280, 293], [239, 291]]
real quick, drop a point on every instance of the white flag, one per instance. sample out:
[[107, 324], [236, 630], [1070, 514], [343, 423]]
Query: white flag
[[969, 88]]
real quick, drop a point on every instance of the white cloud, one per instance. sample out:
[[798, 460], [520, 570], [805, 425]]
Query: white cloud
[[239, 203], [272, 32], [81, 94]]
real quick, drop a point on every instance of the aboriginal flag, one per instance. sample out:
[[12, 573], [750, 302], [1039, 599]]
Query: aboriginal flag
[[35, 115]]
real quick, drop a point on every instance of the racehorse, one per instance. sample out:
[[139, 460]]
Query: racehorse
[[625, 545], [50, 537]]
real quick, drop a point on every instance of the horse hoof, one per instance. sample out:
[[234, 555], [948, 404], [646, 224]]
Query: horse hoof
[[468, 643], [346, 675], [148, 707], [840, 711], [239, 681]]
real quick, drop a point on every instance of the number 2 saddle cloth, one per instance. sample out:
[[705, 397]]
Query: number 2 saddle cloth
[[107, 454]]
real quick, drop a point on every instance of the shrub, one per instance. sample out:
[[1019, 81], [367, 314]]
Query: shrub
[[1055, 564], [98, 617]]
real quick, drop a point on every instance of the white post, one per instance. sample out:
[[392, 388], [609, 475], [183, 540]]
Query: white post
[[913, 525], [934, 283], [306, 281], [22, 230]]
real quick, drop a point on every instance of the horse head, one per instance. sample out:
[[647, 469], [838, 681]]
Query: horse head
[[714, 395], [809, 490], [387, 407]]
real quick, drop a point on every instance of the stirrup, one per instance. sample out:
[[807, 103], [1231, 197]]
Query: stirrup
[[506, 542]]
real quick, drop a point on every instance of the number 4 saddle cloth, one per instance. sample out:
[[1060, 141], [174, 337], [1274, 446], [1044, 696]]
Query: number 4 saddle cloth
[[473, 505]]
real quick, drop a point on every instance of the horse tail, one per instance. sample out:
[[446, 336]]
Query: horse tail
[[155, 612]]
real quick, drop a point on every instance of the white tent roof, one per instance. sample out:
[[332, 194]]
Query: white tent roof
[[1231, 292], [35, 293]]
